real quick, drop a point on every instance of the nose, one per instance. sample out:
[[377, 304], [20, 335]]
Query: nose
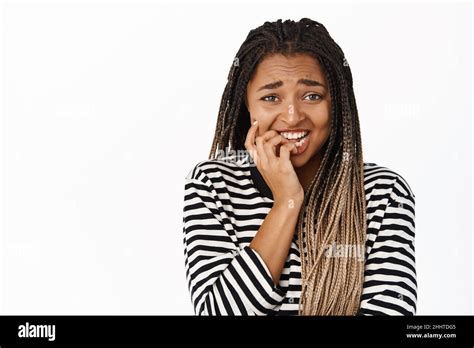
[[292, 115]]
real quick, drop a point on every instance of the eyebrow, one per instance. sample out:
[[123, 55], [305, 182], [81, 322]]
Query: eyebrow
[[306, 82]]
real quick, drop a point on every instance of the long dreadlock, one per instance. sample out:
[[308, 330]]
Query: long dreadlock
[[334, 209]]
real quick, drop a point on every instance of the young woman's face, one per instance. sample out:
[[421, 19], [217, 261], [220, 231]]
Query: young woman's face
[[291, 95]]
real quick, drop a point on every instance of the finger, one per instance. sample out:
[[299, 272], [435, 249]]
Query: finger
[[270, 146], [263, 140], [285, 150], [265, 137], [250, 141], [261, 151], [269, 134], [275, 140]]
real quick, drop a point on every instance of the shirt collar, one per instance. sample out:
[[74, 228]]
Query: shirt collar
[[246, 161]]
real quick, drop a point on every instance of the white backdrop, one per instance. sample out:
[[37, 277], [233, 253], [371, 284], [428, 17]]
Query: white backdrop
[[107, 106]]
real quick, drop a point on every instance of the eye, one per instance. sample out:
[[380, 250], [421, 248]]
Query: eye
[[269, 96], [314, 96]]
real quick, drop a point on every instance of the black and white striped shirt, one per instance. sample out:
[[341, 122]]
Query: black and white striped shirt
[[225, 203]]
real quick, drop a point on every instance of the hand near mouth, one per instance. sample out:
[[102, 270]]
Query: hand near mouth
[[276, 169]]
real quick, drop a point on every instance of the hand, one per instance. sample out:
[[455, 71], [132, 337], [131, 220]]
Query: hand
[[278, 172]]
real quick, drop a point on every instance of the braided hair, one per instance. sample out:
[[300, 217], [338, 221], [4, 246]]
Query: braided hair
[[334, 209]]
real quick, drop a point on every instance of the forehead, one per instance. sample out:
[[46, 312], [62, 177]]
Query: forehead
[[280, 67]]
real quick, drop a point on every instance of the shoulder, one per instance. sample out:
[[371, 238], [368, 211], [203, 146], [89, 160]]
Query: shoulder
[[233, 168], [390, 201], [375, 174], [380, 178]]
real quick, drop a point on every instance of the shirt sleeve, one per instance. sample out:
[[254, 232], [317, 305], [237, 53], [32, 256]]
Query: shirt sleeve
[[390, 286], [223, 278]]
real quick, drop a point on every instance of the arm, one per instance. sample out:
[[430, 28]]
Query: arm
[[223, 278], [273, 239], [390, 286]]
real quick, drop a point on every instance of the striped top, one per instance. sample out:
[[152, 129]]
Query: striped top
[[226, 201]]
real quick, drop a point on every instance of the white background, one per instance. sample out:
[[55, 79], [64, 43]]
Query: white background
[[107, 106]]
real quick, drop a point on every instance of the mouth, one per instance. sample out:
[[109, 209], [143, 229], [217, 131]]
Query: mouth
[[299, 138]]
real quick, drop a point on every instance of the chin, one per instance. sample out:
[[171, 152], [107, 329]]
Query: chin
[[299, 161], [309, 155]]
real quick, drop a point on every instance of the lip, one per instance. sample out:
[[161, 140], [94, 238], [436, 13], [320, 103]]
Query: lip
[[292, 130], [300, 149]]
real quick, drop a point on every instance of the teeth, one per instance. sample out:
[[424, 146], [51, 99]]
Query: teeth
[[301, 142], [293, 135]]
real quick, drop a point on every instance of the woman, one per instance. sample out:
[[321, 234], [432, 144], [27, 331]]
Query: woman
[[300, 224]]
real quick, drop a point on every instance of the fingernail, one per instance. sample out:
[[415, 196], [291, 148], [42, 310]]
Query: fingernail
[[255, 122]]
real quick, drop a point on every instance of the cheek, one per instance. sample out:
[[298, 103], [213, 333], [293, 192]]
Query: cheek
[[321, 120], [264, 117], [322, 123], [321, 117]]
